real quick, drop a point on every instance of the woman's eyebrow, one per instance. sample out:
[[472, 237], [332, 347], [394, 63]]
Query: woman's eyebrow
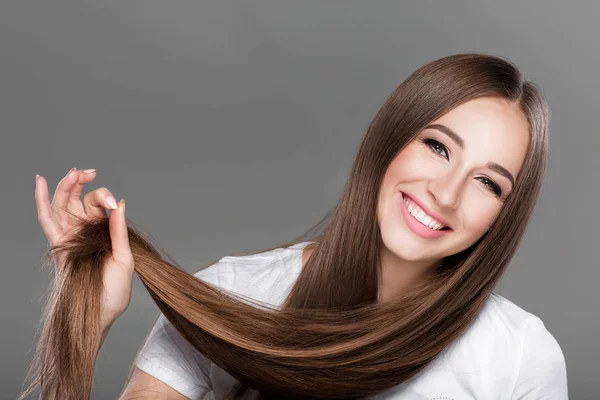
[[461, 143], [451, 134], [502, 171]]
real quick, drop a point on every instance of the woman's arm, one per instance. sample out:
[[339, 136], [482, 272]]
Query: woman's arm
[[144, 386], [167, 367]]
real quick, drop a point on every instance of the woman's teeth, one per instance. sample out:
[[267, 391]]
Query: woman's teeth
[[421, 216]]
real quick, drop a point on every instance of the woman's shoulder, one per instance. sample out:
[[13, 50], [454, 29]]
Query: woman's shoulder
[[540, 359], [525, 336], [264, 276], [502, 312], [506, 311], [505, 347], [504, 318], [496, 337]]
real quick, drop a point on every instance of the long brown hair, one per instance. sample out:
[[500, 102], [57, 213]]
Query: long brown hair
[[331, 338]]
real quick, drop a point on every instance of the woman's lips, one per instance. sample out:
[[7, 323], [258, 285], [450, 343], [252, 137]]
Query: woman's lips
[[417, 227], [427, 211]]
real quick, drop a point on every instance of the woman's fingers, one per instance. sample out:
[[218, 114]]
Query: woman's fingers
[[60, 200], [97, 201], [75, 205], [50, 225], [56, 217], [119, 236]]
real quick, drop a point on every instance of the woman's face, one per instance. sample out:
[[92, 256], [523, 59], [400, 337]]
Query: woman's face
[[459, 170]]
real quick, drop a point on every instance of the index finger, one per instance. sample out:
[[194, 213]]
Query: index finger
[[97, 201]]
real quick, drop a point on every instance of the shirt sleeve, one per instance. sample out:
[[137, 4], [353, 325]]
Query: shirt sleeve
[[543, 372], [169, 357]]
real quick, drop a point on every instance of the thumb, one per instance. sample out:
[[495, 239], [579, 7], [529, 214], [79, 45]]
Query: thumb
[[118, 234]]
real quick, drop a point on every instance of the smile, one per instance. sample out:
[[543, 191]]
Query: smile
[[419, 221], [421, 215]]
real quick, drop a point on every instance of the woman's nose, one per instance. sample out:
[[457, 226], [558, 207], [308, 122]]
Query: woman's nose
[[446, 191]]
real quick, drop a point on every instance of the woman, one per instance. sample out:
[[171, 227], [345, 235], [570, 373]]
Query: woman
[[393, 299]]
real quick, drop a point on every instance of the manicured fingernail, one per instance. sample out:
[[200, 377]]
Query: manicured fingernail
[[112, 203], [89, 171]]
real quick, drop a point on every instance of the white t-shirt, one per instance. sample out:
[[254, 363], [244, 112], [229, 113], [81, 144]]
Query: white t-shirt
[[506, 354]]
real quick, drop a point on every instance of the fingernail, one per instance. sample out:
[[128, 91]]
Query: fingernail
[[73, 169], [112, 203], [89, 171], [123, 201], [36, 177]]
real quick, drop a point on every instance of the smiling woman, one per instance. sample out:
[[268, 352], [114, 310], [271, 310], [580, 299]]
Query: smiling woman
[[448, 186], [393, 299]]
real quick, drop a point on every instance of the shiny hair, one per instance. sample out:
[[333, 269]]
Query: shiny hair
[[331, 338]]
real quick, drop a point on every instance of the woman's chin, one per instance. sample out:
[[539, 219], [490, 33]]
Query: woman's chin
[[408, 249]]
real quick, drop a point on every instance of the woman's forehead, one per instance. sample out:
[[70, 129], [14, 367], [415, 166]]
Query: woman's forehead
[[491, 128]]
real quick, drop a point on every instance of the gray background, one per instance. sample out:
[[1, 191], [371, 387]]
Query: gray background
[[230, 125]]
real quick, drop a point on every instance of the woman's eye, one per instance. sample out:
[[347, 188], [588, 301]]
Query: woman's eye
[[437, 147], [491, 185], [440, 149]]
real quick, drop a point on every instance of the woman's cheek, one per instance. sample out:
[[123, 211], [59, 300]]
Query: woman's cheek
[[422, 165], [481, 221]]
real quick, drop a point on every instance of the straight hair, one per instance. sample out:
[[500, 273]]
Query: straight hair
[[331, 338]]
